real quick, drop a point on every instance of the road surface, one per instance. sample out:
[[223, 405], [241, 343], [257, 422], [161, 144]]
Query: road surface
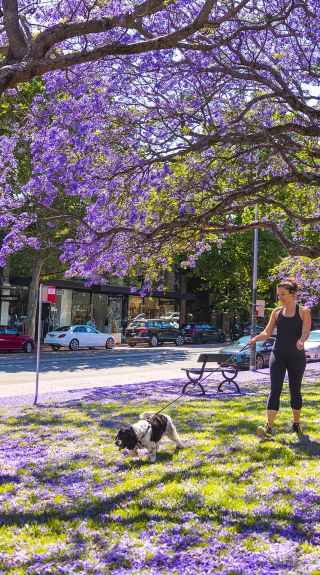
[[65, 370]]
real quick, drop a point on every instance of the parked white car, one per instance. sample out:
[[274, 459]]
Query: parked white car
[[77, 336], [312, 346]]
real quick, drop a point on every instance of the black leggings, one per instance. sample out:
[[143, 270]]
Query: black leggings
[[295, 364]]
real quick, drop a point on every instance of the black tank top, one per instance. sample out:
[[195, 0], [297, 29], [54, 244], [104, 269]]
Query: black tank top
[[289, 330]]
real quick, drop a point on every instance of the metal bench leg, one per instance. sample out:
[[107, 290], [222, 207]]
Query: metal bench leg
[[192, 379], [228, 381], [193, 385]]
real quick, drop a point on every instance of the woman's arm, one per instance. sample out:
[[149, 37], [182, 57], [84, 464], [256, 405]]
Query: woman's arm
[[268, 330], [306, 326]]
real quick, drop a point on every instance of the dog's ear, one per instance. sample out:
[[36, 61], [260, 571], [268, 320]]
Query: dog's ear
[[120, 433], [130, 439], [158, 426]]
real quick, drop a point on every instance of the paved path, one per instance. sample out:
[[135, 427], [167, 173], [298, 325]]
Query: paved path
[[64, 374], [64, 370]]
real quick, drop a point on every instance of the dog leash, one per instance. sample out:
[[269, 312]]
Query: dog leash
[[181, 394], [171, 402]]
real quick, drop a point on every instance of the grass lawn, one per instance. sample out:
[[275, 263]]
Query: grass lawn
[[227, 503]]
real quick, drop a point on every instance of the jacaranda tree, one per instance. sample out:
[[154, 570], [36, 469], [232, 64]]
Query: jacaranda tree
[[167, 122]]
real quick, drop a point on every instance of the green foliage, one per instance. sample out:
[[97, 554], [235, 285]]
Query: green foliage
[[227, 272], [21, 263]]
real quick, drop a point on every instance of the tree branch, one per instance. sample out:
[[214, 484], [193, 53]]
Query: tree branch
[[17, 42]]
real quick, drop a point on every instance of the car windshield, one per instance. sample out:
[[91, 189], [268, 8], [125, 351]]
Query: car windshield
[[135, 324], [314, 336], [63, 328], [242, 341], [10, 330]]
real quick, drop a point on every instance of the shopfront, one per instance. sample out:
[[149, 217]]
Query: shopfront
[[14, 304], [103, 305], [83, 306], [151, 307]]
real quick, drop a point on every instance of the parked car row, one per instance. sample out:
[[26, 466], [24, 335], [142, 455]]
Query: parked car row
[[153, 332]]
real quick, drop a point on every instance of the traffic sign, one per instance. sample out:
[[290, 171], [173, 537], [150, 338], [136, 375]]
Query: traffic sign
[[49, 294], [260, 305]]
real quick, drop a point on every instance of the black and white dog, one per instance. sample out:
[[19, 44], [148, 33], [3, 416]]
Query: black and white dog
[[146, 434]]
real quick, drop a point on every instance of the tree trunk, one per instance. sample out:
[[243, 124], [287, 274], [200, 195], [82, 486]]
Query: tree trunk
[[183, 302], [30, 324]]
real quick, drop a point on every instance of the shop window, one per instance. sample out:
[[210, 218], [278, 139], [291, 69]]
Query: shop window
[[81, 307], [17, 310], [113, 312], [99, 310], [150, 307]]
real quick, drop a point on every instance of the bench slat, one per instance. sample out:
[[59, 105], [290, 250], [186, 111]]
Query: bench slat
[[228, 369], [215, 357]]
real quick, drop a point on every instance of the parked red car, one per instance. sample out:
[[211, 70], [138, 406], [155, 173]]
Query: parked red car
[[12, 340]]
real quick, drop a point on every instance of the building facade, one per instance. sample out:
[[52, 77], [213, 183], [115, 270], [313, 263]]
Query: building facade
[[78, 304]]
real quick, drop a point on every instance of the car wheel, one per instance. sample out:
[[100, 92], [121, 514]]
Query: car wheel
[[27, 348], [132, 344], [221, 338], [180, 340], [153, 341], [56, 347], [74, 345], [259, 361], [110, 343]]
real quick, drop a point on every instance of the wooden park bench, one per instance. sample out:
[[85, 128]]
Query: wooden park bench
[[228, 367]]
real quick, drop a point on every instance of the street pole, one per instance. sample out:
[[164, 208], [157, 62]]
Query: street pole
[[254, 295], [38, 344], [254, 282]]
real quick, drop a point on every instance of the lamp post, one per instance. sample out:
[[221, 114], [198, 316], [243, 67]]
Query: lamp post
[[254, 283]]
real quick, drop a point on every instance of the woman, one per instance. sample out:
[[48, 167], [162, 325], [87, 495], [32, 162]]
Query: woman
[[293, 324]]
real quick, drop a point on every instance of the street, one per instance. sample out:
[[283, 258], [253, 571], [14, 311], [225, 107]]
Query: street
[[65, 370]]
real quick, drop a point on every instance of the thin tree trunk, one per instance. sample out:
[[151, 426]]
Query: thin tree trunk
[[183, 302], [33, 296]]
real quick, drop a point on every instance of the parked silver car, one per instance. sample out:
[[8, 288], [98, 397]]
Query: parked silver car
[[263, 351], [312, 346]]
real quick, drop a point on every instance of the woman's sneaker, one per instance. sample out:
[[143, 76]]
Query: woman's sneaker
[[303, 438], [265, 431], [296, 428]]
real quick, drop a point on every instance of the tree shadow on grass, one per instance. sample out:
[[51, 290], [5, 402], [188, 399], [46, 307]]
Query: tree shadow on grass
[[78, 510], [6, 478], [99, 511], [305, 446]]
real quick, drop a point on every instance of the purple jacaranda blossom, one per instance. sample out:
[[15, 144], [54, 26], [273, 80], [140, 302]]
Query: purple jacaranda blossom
[[148, 153]]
